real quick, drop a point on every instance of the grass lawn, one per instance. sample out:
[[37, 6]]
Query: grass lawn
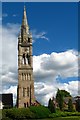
[[64, 118]]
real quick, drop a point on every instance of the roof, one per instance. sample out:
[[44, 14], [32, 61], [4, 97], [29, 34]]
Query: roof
[[7, 99], [66, 99]]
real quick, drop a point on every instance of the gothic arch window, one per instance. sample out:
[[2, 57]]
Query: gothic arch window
[[23, 92], [25, 59], [25, 76], [29, 76], [28, 39], [28, 91], [24, 105], [28, 58]]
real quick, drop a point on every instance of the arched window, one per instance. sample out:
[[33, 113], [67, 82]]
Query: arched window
[[28, 39], [28, 58], [23, 92], [25, 59], [28, 91], [28, 76], [25, 76], [24, 105]]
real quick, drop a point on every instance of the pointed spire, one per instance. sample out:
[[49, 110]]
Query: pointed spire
[[24, 21]]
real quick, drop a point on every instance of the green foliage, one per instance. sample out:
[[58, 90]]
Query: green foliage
[[61, 94], [78, 105], [34, 112], [59, 99], [40, 111], [64, 114], [18, 113], [70, 105], [51, 106], [0, 114], [65, 93], [26, 113]]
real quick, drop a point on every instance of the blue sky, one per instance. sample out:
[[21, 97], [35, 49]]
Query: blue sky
[[58, 20], [54, 27]]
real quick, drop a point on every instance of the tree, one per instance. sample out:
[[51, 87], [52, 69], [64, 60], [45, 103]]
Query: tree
[[59, 99], [78, 104], [61, 94], [70, 105], [65, 93], [49, 103], [51, 106]]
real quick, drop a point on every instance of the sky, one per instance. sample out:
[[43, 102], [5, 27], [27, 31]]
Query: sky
[[40, 0], [54, 27]]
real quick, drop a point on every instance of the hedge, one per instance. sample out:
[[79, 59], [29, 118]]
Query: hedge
[[40, 111], [26, 113], [21, 113]]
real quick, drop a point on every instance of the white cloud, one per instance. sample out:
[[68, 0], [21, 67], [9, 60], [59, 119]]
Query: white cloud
[[9, 42], [64, 64], [9, 53], [47, 67], [45, 91], [38, 36]]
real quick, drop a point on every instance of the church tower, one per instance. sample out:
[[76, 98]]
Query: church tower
[[25, 90]]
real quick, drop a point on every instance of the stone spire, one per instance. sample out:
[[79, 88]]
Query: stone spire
[[25, 21]]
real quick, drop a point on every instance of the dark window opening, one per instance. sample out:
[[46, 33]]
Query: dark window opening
[[24, 105], [28, 58], [23, 92], [28, 91], [28, 39]]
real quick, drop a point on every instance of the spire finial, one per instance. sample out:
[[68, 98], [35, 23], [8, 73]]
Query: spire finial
[[24, 21], [24, 7]]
